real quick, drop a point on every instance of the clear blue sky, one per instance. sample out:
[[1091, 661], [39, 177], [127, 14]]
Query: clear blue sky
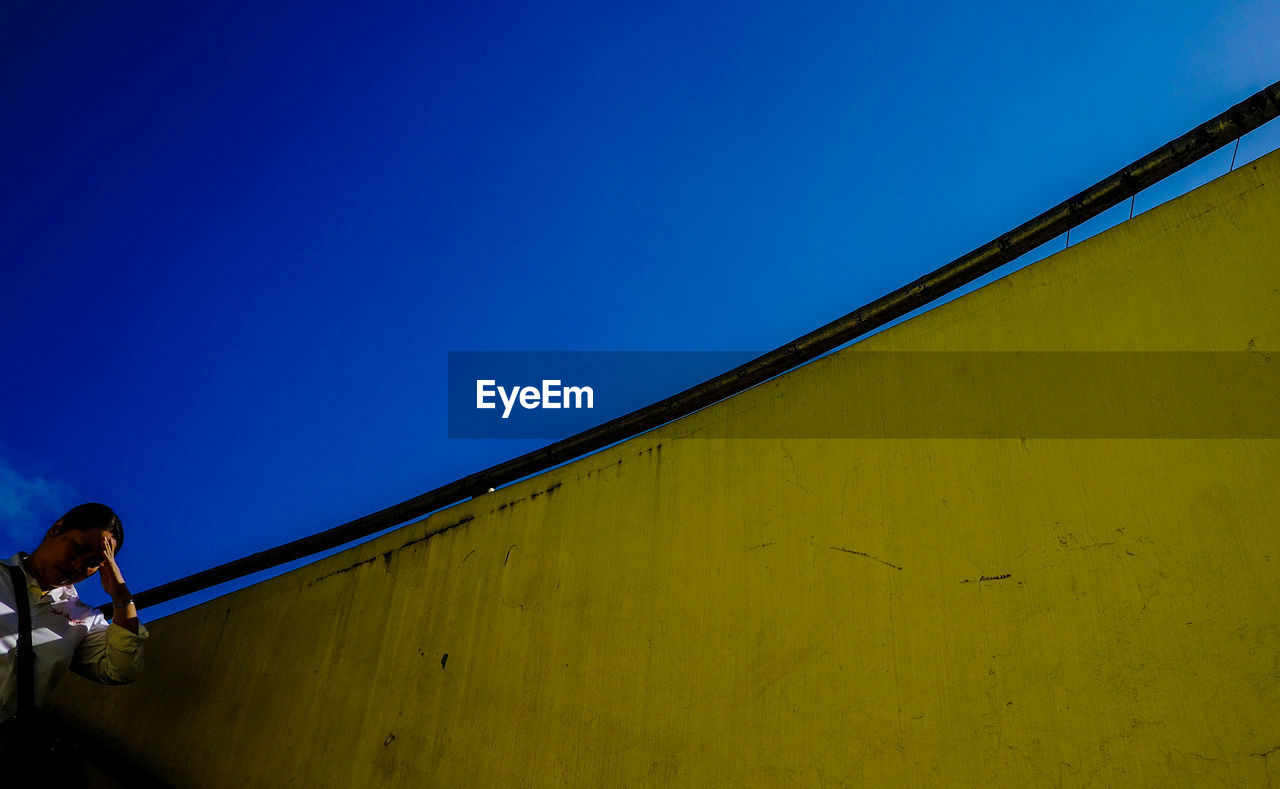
[[239, 239]]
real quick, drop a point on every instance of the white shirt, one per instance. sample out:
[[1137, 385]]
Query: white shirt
[[66, 633]]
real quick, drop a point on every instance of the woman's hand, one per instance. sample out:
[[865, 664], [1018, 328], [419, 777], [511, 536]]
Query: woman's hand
[[109, 573], [125, 613]]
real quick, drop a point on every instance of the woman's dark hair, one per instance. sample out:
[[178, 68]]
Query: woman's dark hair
[[94, 516]]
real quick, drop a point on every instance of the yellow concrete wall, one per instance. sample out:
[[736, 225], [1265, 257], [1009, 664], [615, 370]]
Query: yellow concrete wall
[[691, 611]]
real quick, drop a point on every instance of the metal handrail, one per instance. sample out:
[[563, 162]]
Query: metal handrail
[[1206, 138]]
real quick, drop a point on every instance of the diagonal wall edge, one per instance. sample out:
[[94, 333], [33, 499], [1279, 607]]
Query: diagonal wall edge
[[1201, 141]]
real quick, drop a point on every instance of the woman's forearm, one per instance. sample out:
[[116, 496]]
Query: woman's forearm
[[124, 612]]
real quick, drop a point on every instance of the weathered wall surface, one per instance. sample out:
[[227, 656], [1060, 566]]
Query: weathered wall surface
[[681, 610]]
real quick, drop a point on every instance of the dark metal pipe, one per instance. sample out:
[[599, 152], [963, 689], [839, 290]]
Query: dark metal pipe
[[1244, 117]]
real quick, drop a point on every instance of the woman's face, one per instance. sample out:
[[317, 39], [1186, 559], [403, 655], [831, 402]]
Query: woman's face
[[70, 556]]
